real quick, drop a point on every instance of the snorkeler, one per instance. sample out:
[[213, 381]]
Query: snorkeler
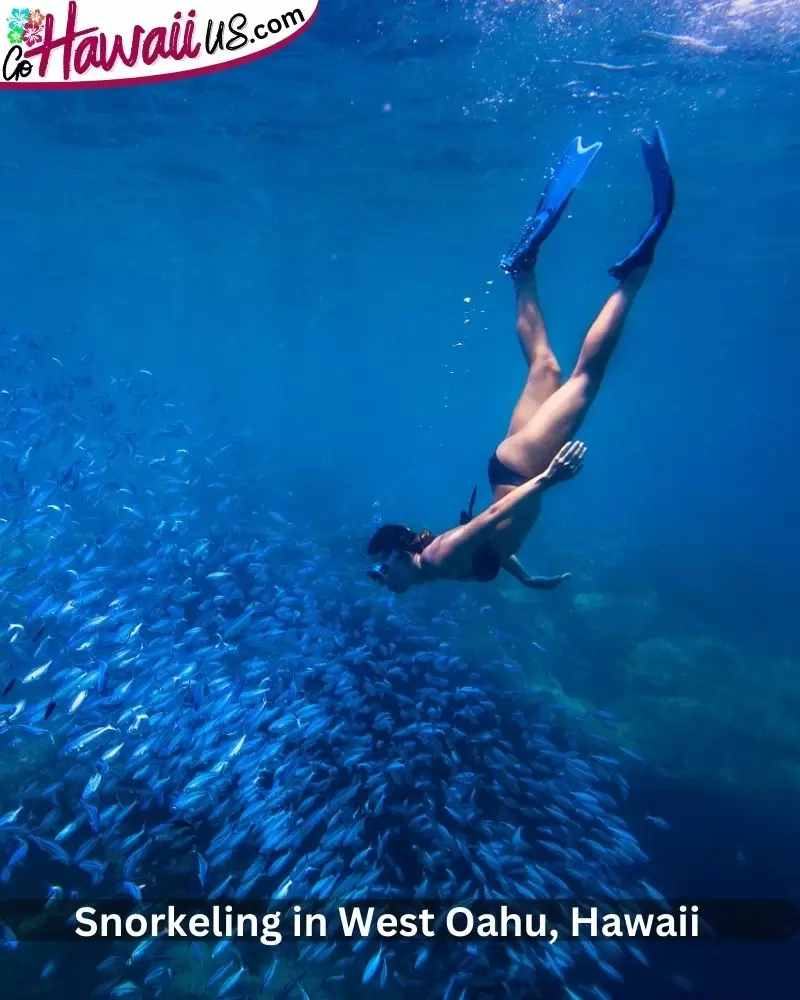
[[539, 449]]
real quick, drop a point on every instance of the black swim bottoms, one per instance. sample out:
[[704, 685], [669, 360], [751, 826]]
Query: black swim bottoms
[[501, 475]]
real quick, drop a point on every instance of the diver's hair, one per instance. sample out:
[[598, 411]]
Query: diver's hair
[[398, 538], [486, 563]]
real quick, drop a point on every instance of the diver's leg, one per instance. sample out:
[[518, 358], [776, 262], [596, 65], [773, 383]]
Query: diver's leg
[[557, 420], [544, 374], [603, 335], [532, 447]]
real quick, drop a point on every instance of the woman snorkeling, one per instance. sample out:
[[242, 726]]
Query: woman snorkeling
[[539, 449]]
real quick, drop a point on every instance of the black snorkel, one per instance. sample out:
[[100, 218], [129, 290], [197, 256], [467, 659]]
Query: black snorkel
[[466, 515]]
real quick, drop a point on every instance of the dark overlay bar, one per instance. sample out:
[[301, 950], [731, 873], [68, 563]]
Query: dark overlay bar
[[275, 922]]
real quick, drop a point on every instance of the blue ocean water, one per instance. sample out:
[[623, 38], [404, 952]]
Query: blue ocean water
[[304, 253]]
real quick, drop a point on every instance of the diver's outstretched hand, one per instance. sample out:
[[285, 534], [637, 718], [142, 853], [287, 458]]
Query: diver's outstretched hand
[[567, 463]]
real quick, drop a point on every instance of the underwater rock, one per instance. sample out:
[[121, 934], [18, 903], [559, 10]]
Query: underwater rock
[[612, 622], [709, 711]]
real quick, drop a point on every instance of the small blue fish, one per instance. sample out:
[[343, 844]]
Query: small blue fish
[[133, 891], [372, 967], [202, 870]]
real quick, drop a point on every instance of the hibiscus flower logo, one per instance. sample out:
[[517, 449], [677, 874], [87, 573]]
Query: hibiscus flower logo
[[19, 18], [26, 26], [33, 35]]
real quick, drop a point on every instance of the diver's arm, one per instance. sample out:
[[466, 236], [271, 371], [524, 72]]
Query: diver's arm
[[464, 541], [513, 566], [458, 546]]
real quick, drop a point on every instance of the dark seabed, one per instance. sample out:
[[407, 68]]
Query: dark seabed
[[252, 315]]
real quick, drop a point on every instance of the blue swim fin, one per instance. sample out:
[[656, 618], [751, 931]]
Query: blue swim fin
[[567, 175], [657, 162]]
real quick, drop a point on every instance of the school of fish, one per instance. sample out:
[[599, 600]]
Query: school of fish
[[198, 700]]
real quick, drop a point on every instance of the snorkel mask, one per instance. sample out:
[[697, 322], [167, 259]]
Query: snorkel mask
[[388, 543], [391, 542], [379, 573]]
